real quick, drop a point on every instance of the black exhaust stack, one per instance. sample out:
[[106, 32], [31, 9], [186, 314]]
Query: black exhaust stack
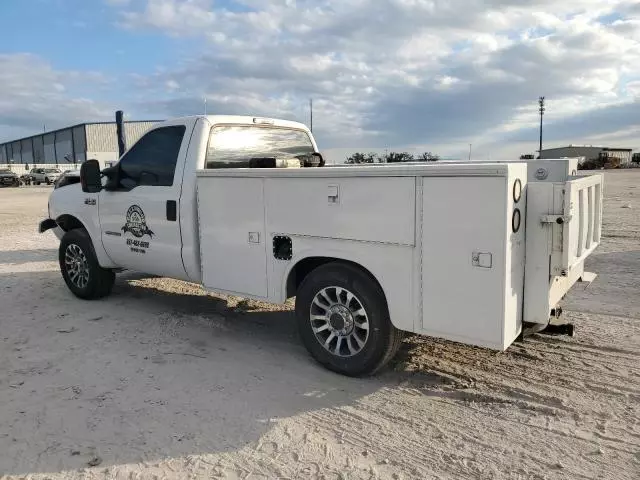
[[122, 141]]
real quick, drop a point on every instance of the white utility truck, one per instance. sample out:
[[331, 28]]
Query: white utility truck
[[472, 252]]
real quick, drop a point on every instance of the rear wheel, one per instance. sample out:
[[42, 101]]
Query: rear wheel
[[80, 268], [343, 320]]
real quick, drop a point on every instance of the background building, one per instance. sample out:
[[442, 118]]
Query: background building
[[72, 145], [589, 152]]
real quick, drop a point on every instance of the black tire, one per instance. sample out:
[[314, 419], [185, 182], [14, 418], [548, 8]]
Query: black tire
[[47, 181], [100, 280], [383, 339]]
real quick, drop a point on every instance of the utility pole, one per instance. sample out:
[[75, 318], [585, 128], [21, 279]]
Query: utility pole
[[541, 110], [311, 114], [469, 152]]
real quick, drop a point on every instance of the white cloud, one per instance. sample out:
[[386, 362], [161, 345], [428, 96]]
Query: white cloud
[[35, 94], [633, 88], [402, 71], [183, 17], [399, 72], [172, 85]]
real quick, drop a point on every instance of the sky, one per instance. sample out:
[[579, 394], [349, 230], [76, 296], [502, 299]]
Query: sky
[[415, 75]]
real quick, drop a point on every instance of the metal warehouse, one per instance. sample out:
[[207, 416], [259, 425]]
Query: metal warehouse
[[589, 152], [72, 145]]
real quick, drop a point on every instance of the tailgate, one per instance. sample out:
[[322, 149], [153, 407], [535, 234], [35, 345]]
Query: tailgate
[[564, 226], [576, 232]]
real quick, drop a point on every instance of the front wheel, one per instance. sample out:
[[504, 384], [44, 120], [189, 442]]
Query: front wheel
[[80, 268], [344, 322]]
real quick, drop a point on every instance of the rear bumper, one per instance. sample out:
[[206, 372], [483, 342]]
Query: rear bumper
[[47, 225]]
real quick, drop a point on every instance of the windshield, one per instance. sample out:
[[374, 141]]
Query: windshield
[[51, 170], [233, 146]]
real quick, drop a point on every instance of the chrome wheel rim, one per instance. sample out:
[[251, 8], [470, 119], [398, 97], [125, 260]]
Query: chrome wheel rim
[[339, 321], [77, 266]]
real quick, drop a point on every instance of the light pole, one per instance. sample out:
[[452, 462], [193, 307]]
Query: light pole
[[541, 110], [469, 152]]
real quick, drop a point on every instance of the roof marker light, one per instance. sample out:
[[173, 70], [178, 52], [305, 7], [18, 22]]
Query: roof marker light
[[264, 121]]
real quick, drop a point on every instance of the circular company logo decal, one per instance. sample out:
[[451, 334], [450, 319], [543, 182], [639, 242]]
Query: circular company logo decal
[[542, 173], [136, 222]]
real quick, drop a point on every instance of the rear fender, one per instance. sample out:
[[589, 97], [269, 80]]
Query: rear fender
[[383, 264]]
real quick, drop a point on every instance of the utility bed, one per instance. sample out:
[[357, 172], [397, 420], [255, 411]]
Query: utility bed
[[462, 251], [475, 252]]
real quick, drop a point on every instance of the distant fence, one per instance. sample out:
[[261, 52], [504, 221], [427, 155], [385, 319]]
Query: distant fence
[[20, 169]]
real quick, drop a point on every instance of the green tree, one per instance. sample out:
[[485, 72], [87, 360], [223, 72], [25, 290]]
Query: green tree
[[359, 157], [395, 157], [428, 157]]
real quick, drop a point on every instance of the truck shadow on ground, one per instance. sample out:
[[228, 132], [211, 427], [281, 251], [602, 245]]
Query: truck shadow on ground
[[25, 256], [163, 370], [158, 370]]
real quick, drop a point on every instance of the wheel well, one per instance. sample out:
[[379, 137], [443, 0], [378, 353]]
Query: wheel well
[[305, 266], [68, 222]]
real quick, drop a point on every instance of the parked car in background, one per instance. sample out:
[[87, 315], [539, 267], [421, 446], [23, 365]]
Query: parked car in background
[[44, 175], [9, 178]]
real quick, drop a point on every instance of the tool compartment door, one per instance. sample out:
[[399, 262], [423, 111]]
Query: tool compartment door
[[580, 201], [232, 235], [463, 298]]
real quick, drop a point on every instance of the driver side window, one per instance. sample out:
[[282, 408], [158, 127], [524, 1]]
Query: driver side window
[[152, 160]]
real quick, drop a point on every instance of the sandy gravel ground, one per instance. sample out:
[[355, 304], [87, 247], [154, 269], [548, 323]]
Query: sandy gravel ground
[[163, 381]]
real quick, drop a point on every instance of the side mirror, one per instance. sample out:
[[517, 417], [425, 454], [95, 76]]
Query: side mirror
[[90, 177]]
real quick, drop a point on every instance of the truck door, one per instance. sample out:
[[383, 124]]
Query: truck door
[[139, 220]]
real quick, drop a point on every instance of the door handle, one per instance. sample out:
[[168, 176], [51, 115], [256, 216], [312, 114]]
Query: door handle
[[172, 210]]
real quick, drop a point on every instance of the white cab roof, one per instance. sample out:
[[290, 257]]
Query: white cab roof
[[244, 120]]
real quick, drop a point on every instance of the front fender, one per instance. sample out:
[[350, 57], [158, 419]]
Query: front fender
[[69, 203]]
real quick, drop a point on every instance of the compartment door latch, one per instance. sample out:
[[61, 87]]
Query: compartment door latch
[[333, 194], [482, 259], [559, 219]]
